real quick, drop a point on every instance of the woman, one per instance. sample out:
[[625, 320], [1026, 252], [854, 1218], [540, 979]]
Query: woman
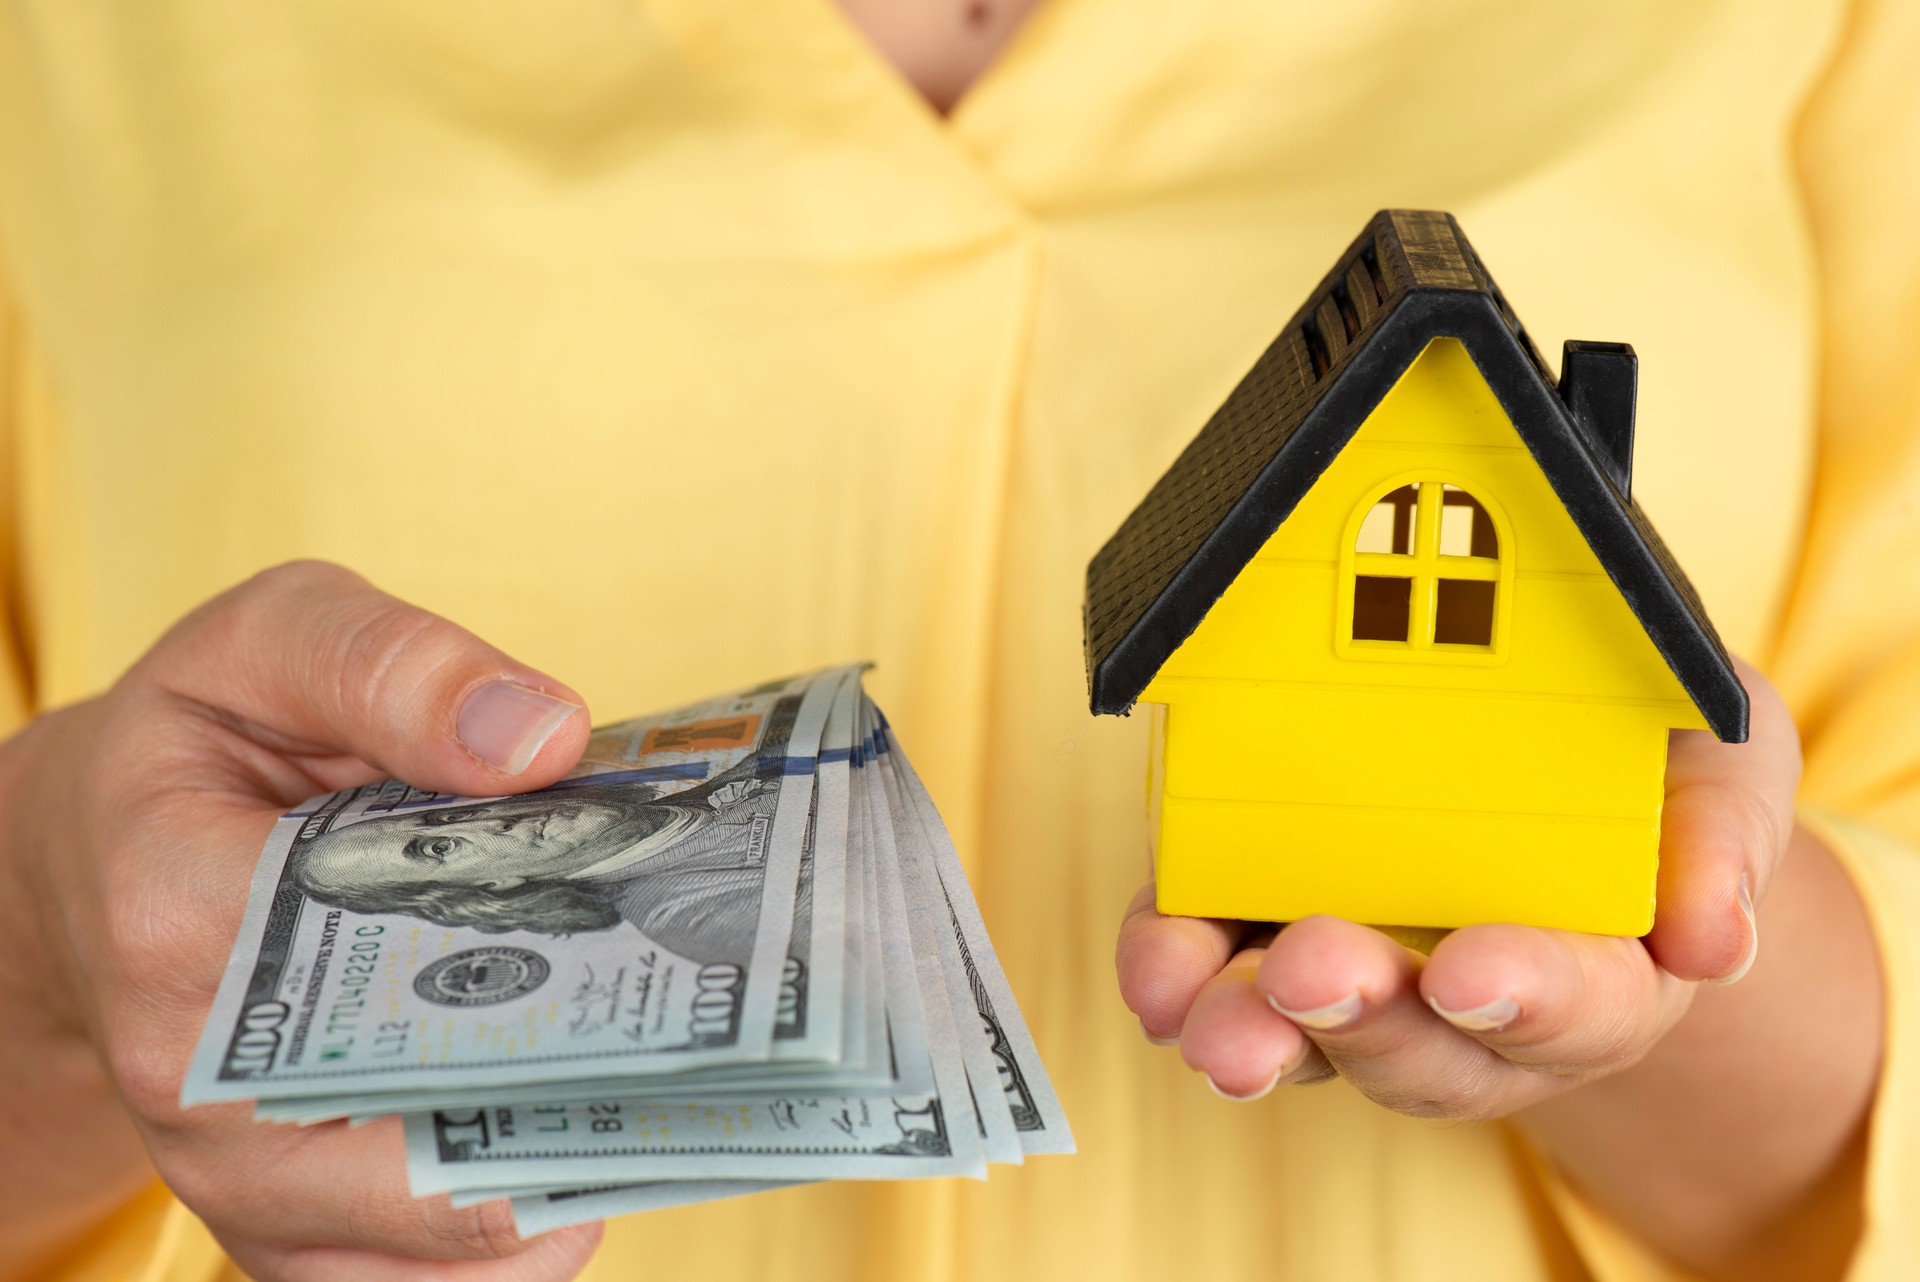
[[671, 344]]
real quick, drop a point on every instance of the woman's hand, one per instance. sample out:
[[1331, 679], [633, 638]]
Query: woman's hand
[[1729, 1139], [1499, 1017], [129, 830]]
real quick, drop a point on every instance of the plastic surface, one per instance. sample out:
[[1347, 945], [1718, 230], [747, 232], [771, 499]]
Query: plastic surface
[[1418, 782], [1411, 277], [1426, 693]]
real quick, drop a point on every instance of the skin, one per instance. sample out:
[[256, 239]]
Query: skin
[[129, 826], [1662, 1096], [939, 47], [1708, 1118]]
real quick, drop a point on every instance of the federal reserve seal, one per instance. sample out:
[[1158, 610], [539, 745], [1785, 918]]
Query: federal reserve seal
[[482, 976]]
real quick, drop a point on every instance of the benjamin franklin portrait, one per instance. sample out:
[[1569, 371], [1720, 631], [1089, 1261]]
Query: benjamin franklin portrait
[[684, 869]]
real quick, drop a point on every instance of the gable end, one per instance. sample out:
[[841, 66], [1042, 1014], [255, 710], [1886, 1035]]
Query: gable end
[[1153, 582]]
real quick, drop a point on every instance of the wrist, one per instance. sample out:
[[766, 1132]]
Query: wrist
[[36, 989], [1677, 1148], [57, 1102]]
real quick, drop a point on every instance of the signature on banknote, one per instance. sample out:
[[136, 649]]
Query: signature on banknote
[[596, 1003]]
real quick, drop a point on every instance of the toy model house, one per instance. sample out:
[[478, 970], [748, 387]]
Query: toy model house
[[1414, 649]]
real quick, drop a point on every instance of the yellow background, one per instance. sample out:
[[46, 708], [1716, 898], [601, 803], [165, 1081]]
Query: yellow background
[[673, 343]]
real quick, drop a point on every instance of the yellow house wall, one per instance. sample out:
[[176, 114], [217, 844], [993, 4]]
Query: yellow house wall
[[1432, 787]]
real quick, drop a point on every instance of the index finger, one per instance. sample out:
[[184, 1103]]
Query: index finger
[[279, 1191]]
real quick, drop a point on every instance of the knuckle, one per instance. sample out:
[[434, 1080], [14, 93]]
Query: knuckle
[[1749, 826], [1313, 1073], [296, 579], [232, 622], [484, 1232], [387, 652], [146, 1069], [147, 1079], [1471, 1095], [1382, 1040], [276, 592], [1613, 1029], [1766, 825], [235, 1185], [1616, 1057], [143, 936], [1615, 1043], [206, 1190]]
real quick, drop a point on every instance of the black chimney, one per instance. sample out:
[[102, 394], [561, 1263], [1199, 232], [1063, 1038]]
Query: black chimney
[[1597, 381]]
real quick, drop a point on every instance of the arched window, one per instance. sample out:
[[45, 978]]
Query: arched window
[[1425, 571]]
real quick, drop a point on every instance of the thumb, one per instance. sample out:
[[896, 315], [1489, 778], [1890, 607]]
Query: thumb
[[310, 659], [1724, 827]]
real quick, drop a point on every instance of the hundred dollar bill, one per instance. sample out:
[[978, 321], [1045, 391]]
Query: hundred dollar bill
[[1011, 1089], [635, 1138], [824, 955], [398, 941], [870, 1033], [936, 958], [891, 1055], [592, 1142], [539, 1212], [810, 1022], [1029, 1097], [653, 1195], [893, 1046]]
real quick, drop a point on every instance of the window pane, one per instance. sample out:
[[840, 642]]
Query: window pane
[[1381, 608], [1465, 527], [1456, 529], [1388, 526], [1463, 613]]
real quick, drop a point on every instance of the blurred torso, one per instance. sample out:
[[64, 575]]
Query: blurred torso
[[672, 345]]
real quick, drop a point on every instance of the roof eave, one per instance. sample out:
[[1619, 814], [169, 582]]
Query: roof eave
[[1624, 542]]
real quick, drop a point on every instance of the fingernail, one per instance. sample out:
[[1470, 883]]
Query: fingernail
[[505, 724], [1243, 1099], [1496, 1014], [1157, 1041], [1323, 1018], [1739, 972]]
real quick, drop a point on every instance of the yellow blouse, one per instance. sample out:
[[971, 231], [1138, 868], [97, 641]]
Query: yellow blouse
[[671, 343]]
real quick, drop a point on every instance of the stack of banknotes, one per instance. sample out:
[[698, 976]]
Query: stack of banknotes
[[733, 951]]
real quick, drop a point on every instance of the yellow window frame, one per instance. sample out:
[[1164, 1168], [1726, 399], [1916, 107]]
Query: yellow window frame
[[1425, 566]]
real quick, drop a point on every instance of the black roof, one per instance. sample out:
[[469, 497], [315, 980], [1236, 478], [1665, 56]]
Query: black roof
[[1409, 278]]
